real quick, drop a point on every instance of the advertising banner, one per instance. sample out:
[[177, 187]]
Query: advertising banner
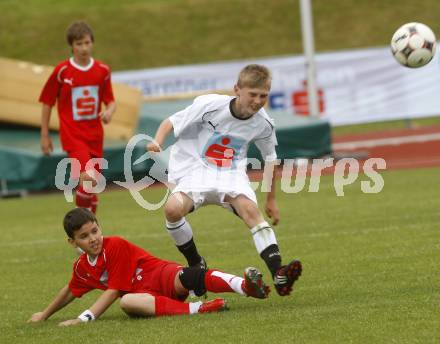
[[356, 86]]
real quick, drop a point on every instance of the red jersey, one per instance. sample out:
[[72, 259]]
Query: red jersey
[[79, 92], [121, 265]]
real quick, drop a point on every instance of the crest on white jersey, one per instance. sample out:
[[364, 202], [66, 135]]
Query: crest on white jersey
[[222, 151]]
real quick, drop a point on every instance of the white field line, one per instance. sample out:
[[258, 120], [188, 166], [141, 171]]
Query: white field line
[[219, 242], [59, 241], [410, 163], [31, 243], [389, 141]]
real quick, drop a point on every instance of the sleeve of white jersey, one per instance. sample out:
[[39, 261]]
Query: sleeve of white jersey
[[267, 143], [190, 115]]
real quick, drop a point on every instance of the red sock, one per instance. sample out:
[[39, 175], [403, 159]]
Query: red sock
[[94, 204], [220, 282], [83, 199], [166, 306]]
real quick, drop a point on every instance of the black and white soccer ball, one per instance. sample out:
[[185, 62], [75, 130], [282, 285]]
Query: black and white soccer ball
[[413, 45]]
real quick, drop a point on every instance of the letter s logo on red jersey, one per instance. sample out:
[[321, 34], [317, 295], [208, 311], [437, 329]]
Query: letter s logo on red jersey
[[85, 102]]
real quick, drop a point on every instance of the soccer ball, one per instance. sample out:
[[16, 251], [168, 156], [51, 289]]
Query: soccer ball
[[413, 45]]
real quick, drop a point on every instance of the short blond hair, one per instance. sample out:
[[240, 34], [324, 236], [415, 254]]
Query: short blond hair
[[254, 75]]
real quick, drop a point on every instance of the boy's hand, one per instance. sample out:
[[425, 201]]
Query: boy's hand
[[153, 147], [46, 145], [272, 211], [70, 322], [106, 116], [37, 317]]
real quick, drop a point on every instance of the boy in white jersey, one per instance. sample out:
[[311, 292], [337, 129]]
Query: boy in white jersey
[[208, 166]]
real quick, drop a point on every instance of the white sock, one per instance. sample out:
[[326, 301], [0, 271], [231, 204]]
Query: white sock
[[264, 236], [233, 281], [194, 307], [180, 231]]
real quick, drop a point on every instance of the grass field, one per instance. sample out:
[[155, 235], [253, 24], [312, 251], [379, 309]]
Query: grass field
[[371, 271], [153, 33], [149, 33], [371, 261]]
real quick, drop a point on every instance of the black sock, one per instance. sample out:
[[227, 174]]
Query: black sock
[[189, 250], [272, 257]]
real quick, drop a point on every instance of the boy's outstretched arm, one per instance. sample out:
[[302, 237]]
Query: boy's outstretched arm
[[63, 298], [100, 306], [161, 134]]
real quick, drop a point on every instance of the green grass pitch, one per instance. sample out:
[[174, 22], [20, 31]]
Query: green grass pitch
[[371, 268]]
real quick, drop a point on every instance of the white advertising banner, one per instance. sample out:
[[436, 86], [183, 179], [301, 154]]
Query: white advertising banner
[[355, 86]]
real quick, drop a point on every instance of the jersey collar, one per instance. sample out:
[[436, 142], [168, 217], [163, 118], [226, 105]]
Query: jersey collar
[[82, 68], [91, 261], [231, 109]]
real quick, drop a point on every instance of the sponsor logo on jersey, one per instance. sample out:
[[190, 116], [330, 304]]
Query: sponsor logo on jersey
[[222, 150], [85, 103], [68, 81]]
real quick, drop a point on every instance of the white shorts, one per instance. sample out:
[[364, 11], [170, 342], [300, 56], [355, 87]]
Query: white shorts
[[210, 186]]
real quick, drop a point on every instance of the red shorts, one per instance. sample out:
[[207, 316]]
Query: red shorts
[[83, 152], [159, 282]]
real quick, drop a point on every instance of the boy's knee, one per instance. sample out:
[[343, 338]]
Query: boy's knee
[[125, 302], [172, 214], [173, 210], [137, 304]]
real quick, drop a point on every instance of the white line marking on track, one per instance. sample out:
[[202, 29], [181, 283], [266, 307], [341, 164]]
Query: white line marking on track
[[389, 141]]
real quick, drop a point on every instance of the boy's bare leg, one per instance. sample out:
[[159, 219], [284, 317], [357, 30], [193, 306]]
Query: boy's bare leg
[[145, 305], [263, 235], [84, 198], [177, 207], [141, 304], [246, 209], [267, 247]]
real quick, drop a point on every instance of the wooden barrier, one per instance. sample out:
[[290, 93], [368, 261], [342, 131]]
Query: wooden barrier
[[20, 86]]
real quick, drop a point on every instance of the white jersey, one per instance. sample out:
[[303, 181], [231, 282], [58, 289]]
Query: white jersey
[[210, 136]]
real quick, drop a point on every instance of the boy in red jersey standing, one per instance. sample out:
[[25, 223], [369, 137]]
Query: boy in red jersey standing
[[79, 85], [147, 285]]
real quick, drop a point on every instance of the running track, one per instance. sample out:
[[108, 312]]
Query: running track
[[408, 148], [401, 149]]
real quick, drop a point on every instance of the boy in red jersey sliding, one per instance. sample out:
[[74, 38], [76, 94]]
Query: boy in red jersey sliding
[[147, 285], [79, 85]]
